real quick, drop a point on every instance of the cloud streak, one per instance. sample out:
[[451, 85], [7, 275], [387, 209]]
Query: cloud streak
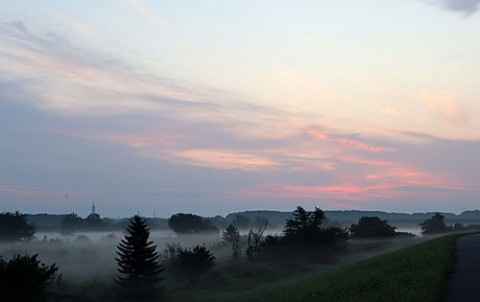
[[147, 13], [350, 143], [466, 7]]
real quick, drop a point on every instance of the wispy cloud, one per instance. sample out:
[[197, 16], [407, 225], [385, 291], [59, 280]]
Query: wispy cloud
[[388, 111], [147, 13], [466, 7], [12, 190], [226, 159], [349, 143]]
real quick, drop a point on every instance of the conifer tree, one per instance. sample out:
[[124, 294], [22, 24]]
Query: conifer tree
[[138, 263]]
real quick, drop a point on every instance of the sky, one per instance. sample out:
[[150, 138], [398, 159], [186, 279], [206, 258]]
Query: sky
[[212, 107]]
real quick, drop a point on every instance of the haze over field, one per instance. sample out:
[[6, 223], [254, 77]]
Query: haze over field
[[214, 107]]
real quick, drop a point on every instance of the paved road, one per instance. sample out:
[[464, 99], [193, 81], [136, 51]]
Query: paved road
[[464, 285]]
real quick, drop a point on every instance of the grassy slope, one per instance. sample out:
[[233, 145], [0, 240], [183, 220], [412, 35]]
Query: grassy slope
[[413, 274]]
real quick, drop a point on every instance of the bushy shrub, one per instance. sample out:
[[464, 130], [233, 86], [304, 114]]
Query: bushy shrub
[[191, 263], [372, 227], [25, 279], [14, 227]]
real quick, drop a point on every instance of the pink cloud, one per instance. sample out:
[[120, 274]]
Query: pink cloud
[[364, 161], [177, 147], [356, 144], [225, 159], [386, 183], [349, 143], [340, 193], [444, 104], [25, 191]]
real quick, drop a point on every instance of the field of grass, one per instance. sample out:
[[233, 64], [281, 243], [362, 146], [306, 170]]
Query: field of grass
[[416, 273]]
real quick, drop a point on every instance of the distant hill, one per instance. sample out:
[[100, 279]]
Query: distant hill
[[276, 219]]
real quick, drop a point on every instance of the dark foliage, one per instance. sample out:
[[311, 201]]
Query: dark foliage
[[372, 227], [304, 239], [14, 227], [71, 223], [25, 279], [253, 242], [232, 235], [434, 225], [194, 262], [331, 235], [304, 226], [190, 224], [138, 263], [93, 222]]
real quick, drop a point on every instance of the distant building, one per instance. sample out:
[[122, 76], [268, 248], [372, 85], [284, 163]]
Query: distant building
[[93, 220]]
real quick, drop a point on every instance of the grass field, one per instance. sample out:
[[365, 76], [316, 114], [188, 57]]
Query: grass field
[[416, 273]]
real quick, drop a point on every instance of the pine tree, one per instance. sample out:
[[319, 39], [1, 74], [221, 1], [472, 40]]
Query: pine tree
[[304, 225], [138, 262]]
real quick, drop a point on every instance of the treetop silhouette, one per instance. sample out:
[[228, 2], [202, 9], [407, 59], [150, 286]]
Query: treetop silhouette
[[138, 263]]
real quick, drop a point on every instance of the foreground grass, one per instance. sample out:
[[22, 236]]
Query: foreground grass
[[417, 273], [240, 280]]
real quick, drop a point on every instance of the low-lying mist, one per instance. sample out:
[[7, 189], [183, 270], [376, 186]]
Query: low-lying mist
[[90, 255], [85, 256]]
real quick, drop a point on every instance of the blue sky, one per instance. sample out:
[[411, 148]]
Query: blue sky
[[214, 106]]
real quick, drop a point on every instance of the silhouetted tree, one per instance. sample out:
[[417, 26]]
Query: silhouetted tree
[[71, 223], [304, 226], [232, 236], [138, 262], [304, 236], [14, 227], [190, 224], [253, 242], [372, 227], [195, 261], [25, 279], [434, 225]]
